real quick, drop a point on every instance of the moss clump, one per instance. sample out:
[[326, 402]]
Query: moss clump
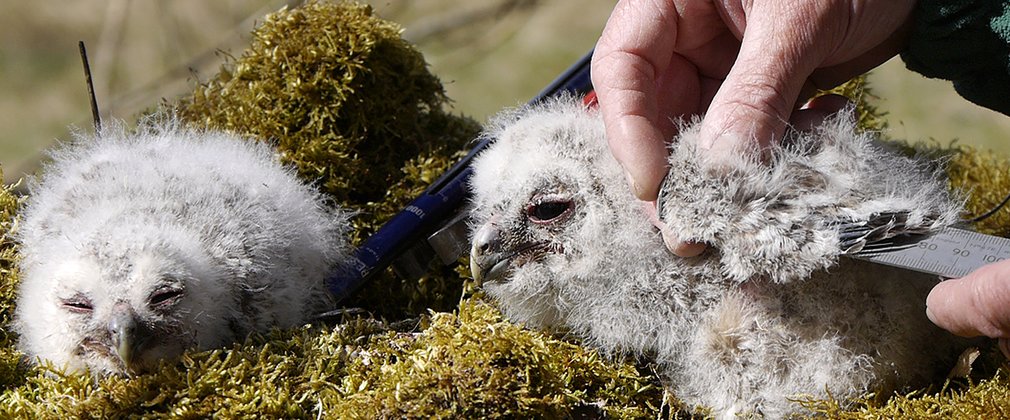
[[347, 101], [354, 108], [477, 365], [986, 399], [984, 175], [278, 376], [469, 365], [857, 90], [11, 369]]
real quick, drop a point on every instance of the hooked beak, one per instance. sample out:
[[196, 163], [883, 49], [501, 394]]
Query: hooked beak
[[491, 257], [123, 329], [488, 261]]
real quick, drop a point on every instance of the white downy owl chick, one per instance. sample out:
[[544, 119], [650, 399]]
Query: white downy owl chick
[[768, 313], [138, 246]]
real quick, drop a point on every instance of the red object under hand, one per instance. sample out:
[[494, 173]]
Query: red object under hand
[[590, 100]]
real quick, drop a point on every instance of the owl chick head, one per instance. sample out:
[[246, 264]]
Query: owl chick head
[[112, 306], [545, 193], [137, 246]]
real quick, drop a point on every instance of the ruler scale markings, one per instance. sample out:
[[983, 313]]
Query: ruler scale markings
[[951, 252]]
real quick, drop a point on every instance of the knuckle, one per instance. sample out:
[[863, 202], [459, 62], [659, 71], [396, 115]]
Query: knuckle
[[622, 70], [763, 96]]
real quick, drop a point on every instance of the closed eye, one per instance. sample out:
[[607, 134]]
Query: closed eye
[[79, 304], [165, 296], [549, 210]]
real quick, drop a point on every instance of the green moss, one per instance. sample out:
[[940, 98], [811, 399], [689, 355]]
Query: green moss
[[857, 90], [347, 101], [983, 399], [11, 369], [477, 365], [283, 375], [470, 365], [984, 175], [354, 108]]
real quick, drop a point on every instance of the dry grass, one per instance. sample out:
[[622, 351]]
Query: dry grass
[[921, 109], [144, 51], [140, 52]]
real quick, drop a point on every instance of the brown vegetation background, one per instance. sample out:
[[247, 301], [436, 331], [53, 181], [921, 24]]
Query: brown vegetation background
[[489, 54]]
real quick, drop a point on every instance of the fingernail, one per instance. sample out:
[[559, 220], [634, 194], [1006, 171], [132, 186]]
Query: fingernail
[[634, 185], [669, 240], [936, 294], [929, 314], [690, 249], [681, 248]]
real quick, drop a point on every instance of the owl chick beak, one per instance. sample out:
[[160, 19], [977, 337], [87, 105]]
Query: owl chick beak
[[488, 261], [491, 255], [124, 332]]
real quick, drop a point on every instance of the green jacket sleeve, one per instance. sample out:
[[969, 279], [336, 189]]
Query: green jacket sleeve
[[966, 42]]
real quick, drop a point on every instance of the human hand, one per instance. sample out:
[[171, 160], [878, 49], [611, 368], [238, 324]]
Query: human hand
[[974, 305], [744, 64]]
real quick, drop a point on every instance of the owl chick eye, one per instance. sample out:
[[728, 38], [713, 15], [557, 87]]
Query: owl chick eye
[[165, 296], [549, 211], [78, 304]]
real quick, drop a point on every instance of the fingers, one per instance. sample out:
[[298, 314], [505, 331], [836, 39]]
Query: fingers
[[977, 304], [670, 239], [681, 248], [882, 37], [660, 59], [633, 60], [833, 75], [754, 103]]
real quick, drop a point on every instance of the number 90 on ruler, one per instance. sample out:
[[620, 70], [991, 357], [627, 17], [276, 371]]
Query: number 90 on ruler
[[951, 252]]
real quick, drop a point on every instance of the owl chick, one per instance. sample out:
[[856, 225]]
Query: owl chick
[[138, 246], [769, 313]]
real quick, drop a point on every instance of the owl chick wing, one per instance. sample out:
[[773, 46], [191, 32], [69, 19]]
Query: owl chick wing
[[819, 194]]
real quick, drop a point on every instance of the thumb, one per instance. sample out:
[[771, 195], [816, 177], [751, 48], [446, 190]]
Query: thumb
[[977, 304], [754, 102]]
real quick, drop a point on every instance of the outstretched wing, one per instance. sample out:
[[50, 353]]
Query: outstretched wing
[[880, 233]]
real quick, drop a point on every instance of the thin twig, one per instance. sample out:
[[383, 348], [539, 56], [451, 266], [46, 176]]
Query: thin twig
[[91, 87]]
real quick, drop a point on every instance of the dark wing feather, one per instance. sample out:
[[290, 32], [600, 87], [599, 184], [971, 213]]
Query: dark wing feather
[[879, 233]]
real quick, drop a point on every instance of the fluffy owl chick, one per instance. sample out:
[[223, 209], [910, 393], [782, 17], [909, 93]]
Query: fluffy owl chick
[[560, 242], [137, 246]]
